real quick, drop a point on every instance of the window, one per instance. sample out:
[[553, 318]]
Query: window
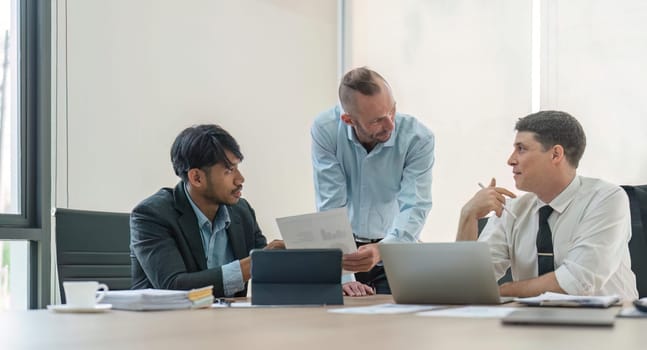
[[24, 153], [9, 152]]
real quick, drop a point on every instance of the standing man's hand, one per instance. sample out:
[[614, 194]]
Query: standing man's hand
[[363, 259], [357, 289]]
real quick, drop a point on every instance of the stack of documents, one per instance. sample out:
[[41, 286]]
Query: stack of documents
[[159, 299], [557, 299]]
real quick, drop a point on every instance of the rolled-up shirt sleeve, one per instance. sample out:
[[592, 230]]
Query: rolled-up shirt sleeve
[[598, 245], [232, 278]]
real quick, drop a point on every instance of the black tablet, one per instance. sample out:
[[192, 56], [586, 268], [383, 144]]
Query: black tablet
[[296, 277]]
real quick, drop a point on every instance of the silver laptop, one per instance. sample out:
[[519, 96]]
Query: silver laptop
[[441, 273]]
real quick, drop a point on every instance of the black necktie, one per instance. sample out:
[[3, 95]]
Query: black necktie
[[545, 262]]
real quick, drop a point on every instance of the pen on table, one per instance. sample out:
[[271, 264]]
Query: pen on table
[[504, 207], [224, 301]]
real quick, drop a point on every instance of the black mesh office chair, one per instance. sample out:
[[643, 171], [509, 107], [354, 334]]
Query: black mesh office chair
[[93, 246], [638, 243]]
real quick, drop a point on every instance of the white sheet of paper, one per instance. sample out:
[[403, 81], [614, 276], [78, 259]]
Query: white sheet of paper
[[323, 230], [384, 309], [471, 312]]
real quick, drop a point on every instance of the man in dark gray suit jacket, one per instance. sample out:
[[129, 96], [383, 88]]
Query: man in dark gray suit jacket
[[200, 232]]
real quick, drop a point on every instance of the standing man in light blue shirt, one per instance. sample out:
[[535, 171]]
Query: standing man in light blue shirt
[[377, 163]]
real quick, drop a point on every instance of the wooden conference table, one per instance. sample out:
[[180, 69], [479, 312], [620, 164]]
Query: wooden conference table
[[298, 328]]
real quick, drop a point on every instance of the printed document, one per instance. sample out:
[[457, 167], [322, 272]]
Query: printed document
[[323, 230]]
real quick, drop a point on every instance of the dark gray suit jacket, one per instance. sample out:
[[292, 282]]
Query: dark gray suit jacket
[[166, 249]]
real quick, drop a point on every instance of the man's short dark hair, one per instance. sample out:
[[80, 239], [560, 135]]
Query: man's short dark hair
[[556, 128], [362, 80], [202, 146]]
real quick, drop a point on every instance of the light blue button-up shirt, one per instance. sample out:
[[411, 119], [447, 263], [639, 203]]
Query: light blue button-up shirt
[[387, 191], [217, 248]]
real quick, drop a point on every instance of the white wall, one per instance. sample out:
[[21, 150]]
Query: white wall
[[463, 68], [595, 68], [131, 74]]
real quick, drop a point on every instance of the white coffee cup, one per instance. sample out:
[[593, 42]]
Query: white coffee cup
[[83, 294]]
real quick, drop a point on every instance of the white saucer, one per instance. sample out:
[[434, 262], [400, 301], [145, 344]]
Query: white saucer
[[69, 308]]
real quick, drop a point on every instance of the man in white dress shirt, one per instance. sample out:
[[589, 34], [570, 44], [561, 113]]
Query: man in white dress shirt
[[568, 234]]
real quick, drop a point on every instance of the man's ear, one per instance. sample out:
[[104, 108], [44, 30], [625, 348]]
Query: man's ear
[[195, 177], [347, 119], [558, 152]]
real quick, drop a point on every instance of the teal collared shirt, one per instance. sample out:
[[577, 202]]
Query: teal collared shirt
[[217, 248]]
